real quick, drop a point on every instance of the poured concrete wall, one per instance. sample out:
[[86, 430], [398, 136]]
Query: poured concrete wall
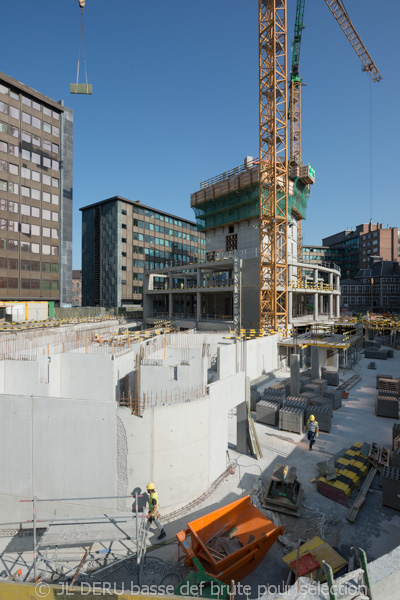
[[260, 356], [55, 448], [182, 448]]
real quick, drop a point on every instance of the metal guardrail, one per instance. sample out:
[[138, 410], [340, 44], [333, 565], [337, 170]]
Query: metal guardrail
[[227, 174], [305, 285], [322, 263]]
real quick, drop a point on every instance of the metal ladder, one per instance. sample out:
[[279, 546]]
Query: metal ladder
[[357, 582]]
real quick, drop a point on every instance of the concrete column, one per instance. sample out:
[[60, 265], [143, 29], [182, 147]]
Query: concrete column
[[335, 359], [170, 305], [316, 300], [198, 306], [330, 297], [321, 304], [290, 305], [242, 421], [295, 374], [337, 306], [198, 278], [315, 364]]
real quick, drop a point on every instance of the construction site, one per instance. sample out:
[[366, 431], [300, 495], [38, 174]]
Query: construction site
[[265, 424]]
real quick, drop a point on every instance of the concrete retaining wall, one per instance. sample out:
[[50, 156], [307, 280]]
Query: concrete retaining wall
[[55, 448]]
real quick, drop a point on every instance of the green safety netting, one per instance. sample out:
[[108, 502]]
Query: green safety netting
[[242, 205]]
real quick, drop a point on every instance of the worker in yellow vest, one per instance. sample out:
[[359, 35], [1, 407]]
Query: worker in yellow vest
[[312, 430], [154, 514]]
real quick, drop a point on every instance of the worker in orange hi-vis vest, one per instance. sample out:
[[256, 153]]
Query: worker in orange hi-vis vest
[[312, 430]]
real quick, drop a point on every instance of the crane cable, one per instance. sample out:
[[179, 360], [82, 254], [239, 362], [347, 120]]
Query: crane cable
[[81, 46]]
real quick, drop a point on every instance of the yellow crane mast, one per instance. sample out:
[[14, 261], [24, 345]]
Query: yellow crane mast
[[273, 164]]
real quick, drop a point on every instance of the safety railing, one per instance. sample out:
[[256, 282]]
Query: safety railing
[[310, 285]]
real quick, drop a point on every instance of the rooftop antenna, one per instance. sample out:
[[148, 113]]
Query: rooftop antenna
[[81, 88]]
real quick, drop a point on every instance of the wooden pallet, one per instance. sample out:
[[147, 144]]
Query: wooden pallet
[[378, 455]]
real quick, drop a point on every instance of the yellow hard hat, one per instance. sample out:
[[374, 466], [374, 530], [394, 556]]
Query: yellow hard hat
[[312, 418], [150, 486]]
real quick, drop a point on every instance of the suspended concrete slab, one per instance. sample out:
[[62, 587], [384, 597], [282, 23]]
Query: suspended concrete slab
[[81, 88]]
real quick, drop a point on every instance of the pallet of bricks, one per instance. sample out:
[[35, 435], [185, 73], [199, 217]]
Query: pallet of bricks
[[297, 402], [330, 375], [321, 402], [335, 396], [386, 401], [396, 436], [255, 397], [267, 410], [291, 419], [323, 415], [390, 480]]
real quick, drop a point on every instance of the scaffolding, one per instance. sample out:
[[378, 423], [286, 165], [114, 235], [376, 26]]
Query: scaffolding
[[87, 537], [230, 202]]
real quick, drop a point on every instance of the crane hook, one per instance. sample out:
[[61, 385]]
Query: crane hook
[[82, 4]]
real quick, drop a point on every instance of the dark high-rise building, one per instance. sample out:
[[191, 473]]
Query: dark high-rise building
[[35, 195], [121, 239]]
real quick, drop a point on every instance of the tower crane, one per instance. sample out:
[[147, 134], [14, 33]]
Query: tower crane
[[273, 143]]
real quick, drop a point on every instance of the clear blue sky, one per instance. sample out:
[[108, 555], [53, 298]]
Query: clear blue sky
[[175, 99]]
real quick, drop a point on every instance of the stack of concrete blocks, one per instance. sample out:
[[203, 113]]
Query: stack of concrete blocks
[[297, 402], [272, 396], [312, 387], [387, 406], [267, 412], [389, 385], [291, 419], [377, 354], [255, 397], [335, 396], [304, 380], [394, 460], [385, 392], [391, 487], [321, 402], [323, 415], [330, 375], [322, 383], [308, 396], [378, 377], [287, 386], [396, 436], [278, 388]]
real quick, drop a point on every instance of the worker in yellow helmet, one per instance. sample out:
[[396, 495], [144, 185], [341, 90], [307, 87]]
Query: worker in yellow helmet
[[312, 430], [154, 514]]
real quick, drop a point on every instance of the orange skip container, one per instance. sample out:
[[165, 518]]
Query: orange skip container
[[254, 530]]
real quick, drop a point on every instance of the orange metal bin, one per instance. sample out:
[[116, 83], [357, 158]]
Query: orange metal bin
[[255, 532]]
